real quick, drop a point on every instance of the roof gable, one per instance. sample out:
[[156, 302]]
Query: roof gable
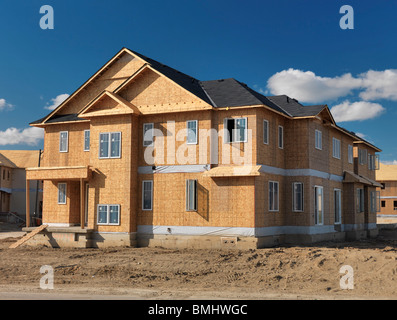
[[108, 104]]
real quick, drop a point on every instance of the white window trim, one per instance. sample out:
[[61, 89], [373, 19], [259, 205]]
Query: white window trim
[[143, 135], [319, 145], [187, 132], [340, 206], [151, 195], [267, 131], [108, 214], [322, 205], [278, 197], [280, 141], [67, 141], [89, 143], [232, 137], [293, 197], [350, 155], [335, 154], [66, 186], [110, 145]]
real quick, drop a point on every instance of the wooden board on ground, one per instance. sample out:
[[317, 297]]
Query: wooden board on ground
[[28, 236]]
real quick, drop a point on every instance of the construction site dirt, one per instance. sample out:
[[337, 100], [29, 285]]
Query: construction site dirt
[[286, 272]]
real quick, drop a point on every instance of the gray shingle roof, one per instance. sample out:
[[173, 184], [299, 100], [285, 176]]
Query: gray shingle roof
[[294, 108]]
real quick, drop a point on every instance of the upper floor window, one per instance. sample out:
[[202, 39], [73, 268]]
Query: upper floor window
[[235, 130], [336, 148], [280, 137], [148, 134], [86, 140], [318, 140], [362, 156], [265, 132], [110, 145], [350, 153], [192, 132], [63, 141]]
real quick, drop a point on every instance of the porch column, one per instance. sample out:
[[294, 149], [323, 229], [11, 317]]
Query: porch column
[[27, 204], [82, 206]]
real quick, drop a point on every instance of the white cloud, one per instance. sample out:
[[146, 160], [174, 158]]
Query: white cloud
[[4, 105], [55, 102], [308, 87], [30, 136], [394, 162], [379, 85], [361, 110]]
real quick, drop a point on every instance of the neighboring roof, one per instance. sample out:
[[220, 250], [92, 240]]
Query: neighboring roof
[[386, 172], [4, 162], [20, 158], [294, 108]]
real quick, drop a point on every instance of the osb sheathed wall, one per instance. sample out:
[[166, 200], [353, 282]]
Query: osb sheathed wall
[[109, 80], [5, 177], [111, 182], [76, 156], [362, 169], [153, 93], [223, 202], [388, 196]]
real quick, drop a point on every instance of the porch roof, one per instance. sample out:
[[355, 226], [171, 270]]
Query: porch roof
[[352, 177], [59, 173]]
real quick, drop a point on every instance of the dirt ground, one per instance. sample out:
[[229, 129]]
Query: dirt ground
[[293, 272]]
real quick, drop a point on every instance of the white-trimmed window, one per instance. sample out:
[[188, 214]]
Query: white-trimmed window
[[191, 195], [265, 131], [62, 193], [192, 131], [360, 200], [63, 141], [297, 197], [350, 153], [110, 145], [108, 214], [273, 195], [281, 137], [235, 130], [336, 148], [373, 162], [147, 195], [148, 134], [318, 205], [362, 156], [86, 140], [338, 206], [375, 201], [318, 140]]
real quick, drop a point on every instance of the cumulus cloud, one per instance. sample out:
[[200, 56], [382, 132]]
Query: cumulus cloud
[[30, 136], [356, 111], [308, 87], [393, 162], [55, 102], [4, 105]]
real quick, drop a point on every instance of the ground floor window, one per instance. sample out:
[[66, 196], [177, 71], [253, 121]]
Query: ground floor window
[[147, 195], [108, 214], [338, 205], [360, 200], [297, 198], [61, 193], [273, 195], [191, 195], [318, 205], [375, 198]]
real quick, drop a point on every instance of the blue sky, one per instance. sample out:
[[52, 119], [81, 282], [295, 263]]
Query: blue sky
[[294, 47]]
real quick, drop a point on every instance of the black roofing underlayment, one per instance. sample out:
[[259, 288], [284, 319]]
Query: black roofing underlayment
[[218, 93]]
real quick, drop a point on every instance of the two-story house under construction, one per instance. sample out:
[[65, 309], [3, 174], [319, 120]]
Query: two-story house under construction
[[144, 155]]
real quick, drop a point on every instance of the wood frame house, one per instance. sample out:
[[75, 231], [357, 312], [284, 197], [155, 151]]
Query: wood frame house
[[387, 177], [144, 155]]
